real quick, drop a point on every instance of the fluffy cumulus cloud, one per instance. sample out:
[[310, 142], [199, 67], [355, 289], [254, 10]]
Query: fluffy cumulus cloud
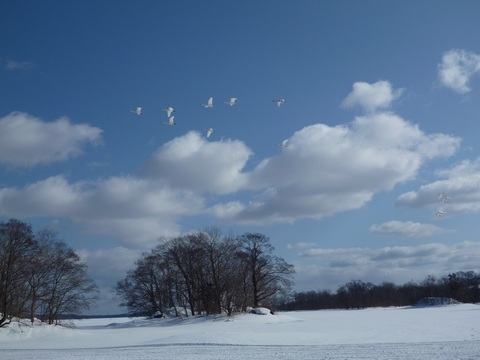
[[457, 68], [329, 268], [28, 141], [406, 228], [461, 183], [324, 169], [136, 211], [372, 97], [191, 162]]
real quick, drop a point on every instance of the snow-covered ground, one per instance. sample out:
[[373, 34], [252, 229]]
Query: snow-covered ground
[[432, 333]]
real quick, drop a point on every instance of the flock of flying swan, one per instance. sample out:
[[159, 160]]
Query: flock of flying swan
[[443, 198], [232, 102]]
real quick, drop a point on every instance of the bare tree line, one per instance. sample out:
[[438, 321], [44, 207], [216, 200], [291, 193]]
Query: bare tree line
[[206, 273], [40, 276], [461, 286]]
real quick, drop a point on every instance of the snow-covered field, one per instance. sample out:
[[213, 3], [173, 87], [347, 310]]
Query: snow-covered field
[[432, 333]]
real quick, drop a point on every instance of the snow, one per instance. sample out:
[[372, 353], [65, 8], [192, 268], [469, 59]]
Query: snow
[[433, 332], [434, 301]]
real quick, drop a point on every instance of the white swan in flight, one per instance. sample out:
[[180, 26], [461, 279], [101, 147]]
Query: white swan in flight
[[137, 111], [443, 197], [280, 102], [209, 132], [232, 101], [209, 104], [441, 213], [170, 121], [169, 111], [284, 143]]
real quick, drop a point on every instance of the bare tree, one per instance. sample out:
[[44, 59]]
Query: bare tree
[[357, 293], [207, 273], [39, 270], [68, 288], [144, 290], [463, 286], [16, 245], [269, 275], [223, 271], [186, 254]]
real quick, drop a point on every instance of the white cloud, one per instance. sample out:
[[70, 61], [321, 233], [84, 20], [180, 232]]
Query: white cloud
[[457, 68], [326, 169], [191, 162], [328, 268], [13, 65], [109, 266], [301, 245], [406, 228], [462, 184], [136, 211], [28, 141], [372, 97]]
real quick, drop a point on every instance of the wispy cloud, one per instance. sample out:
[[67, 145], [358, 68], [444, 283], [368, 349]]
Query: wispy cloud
[[13, 65], [301, 245], [406, 228], [28, 141], [372, 97], [457, 68], [328, 268], [462, 184]]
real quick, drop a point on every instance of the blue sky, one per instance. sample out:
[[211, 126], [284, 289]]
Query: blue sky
[[381, 115]]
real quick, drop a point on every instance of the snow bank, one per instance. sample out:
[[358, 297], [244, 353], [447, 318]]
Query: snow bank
[[260, 311], [437, 301]]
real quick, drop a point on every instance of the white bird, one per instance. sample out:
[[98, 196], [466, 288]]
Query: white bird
[[441, 213], [209, 104], [169, 111], [170, 121], [231, 102], [280, 102], [137, 111], [443, 197], [209, 132], [284, 143]]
